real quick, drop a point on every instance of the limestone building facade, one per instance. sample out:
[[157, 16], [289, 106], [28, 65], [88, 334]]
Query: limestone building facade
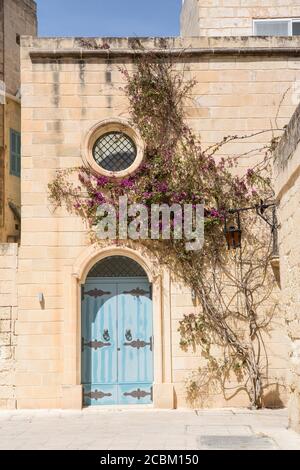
[[70, 88], [240, 17], [251, 18], [17, 17], [287, 187], [71, 92]]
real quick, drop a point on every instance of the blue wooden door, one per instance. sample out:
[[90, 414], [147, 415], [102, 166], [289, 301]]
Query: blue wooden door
[[99, 342], [135, 365], [117, 341]]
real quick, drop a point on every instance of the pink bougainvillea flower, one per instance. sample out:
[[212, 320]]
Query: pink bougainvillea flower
[[162, 187], [214, 213], [99, 198], [127, 183], [102, 180]]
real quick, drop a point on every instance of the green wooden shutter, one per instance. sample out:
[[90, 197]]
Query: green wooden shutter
[[15, 153], [12, 152], [18, 154]]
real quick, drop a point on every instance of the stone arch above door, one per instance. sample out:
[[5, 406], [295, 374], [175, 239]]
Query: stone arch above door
[[75, 276], [94, 253]]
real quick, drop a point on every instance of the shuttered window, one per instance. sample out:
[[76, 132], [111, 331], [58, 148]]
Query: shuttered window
[[276, 27], [15, 153], [296, 28]]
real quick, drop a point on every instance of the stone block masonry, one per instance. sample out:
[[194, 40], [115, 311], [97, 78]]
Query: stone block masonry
[[70, 85], [17, 17], [8, 316], [232, 17], [287, 185]]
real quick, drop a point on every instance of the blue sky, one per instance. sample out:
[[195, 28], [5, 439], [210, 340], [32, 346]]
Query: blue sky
[[109, 17]]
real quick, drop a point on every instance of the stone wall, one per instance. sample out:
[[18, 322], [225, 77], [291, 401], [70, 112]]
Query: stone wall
[[8, 316], [20, 18], [287, 184], [189, 18], [232, 17], [2, 153], [11, 223], [17, 17], [62, 100]]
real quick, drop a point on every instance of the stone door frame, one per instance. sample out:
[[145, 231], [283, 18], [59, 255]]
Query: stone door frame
[[75, 276]]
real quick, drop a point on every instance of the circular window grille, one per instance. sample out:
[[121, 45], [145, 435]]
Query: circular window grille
[[114, 151]]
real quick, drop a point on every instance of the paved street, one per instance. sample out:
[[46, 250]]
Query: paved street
[[146, 429]]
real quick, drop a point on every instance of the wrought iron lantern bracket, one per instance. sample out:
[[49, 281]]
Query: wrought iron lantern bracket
[[233, 234]]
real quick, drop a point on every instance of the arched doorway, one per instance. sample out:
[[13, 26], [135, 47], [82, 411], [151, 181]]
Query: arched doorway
[[117, 334]]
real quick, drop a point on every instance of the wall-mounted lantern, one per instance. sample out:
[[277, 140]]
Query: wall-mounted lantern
[[233, 230]]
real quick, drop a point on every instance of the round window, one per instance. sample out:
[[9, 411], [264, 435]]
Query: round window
[[114, 151]]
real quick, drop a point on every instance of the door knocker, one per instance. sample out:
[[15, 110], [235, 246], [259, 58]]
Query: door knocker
[[106, 335], [128, 335]]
